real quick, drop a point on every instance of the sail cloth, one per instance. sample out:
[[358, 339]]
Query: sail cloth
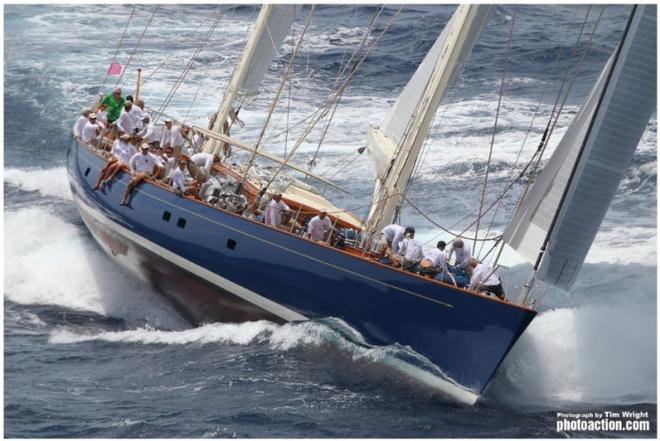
[[394, 147], [277, 27], [565, 206]]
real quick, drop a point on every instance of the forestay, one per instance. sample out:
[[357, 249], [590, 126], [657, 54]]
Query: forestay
[[395, 145], [555, 225]]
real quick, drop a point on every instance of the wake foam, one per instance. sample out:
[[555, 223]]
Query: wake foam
[[594, 345], [49, 182], [49, 261]]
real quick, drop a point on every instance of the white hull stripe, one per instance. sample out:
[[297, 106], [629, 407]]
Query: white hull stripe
[[209, 276]]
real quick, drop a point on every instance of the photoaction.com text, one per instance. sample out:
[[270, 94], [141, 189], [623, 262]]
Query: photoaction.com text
[[623, 421]]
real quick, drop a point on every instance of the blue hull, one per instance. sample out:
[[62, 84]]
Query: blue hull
[[216, 266]]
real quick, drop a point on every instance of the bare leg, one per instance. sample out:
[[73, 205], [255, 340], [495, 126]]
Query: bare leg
[[135, 180], [113, 172], [103, 173]]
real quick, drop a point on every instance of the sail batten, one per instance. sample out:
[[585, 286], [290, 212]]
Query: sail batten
[[562, 212]]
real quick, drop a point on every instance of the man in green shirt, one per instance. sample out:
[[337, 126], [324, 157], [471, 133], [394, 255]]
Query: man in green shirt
[[115, 104]]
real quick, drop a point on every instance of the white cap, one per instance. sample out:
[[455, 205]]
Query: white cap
[[125, 136], [145, 116], [92, 115], [167, 120]]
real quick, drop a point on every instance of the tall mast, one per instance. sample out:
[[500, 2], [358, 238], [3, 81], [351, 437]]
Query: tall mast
[[271, 27], [396, 144]]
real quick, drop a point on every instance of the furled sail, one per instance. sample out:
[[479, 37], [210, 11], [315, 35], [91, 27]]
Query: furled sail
[[271, 27], [396, 144], [555, 225]]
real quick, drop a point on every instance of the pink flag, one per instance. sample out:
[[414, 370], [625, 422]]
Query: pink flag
[[114, 69]]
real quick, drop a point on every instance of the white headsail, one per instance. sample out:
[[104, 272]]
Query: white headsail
[[396, 144], [271, 27], [555, 225]]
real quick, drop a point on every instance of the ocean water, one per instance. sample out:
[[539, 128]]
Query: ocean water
[[91, 352]]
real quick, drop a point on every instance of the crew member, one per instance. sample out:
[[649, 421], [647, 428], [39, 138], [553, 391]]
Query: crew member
[[319, 226], [484, 279], [114, 103], [275, 211], [463, 254], [142, 165]]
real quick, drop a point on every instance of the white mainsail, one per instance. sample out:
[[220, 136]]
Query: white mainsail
[[271, 27], [396, 144], [554, 226]]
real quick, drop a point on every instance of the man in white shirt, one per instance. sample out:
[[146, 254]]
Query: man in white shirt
[[275, 210], [410, 251], [91, 129], [484, 279], [463, 254], [178, 140], [319, 226], [120, 154], [181, 181], [166, 135], [102, 114], [80, 123], [149, 134], [437, 258], [142, 165], [129, 120], [203, 163]]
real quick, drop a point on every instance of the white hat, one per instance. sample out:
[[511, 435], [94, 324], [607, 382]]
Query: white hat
[[92, 115], [167, 120], [145, 116], [125, 136], [144, 145], [86, 110], [128, 102]]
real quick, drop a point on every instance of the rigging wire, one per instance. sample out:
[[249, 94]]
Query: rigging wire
[[119, 44], [497, 116], [329, 102], [342, 70], [529, 129], [188, 66], [130, 58], [257, 144]]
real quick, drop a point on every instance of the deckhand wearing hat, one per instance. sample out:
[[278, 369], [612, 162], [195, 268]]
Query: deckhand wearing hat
[[114, 103]]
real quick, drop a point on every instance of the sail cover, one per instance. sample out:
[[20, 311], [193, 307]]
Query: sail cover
[[277, 27], [565, 206]]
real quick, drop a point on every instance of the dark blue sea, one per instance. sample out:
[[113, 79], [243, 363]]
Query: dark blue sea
[[91, 352]]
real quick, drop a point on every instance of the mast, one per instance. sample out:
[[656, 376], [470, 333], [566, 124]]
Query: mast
[[271, 27], [556, 223], [395, 145]]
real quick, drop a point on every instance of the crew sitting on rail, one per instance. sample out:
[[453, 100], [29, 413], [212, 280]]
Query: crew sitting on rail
[[391, 237], [91, 130], [319, 227], [463, 254], [142, 165], [80, 123], [275, 211], [202, 164], [182, 183], [166, 163], [121, 153], [149, 134], [410, 252], [485, 280], [114, 103]]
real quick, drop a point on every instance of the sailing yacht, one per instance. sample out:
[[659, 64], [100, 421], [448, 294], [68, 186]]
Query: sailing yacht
[[215, 262]]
